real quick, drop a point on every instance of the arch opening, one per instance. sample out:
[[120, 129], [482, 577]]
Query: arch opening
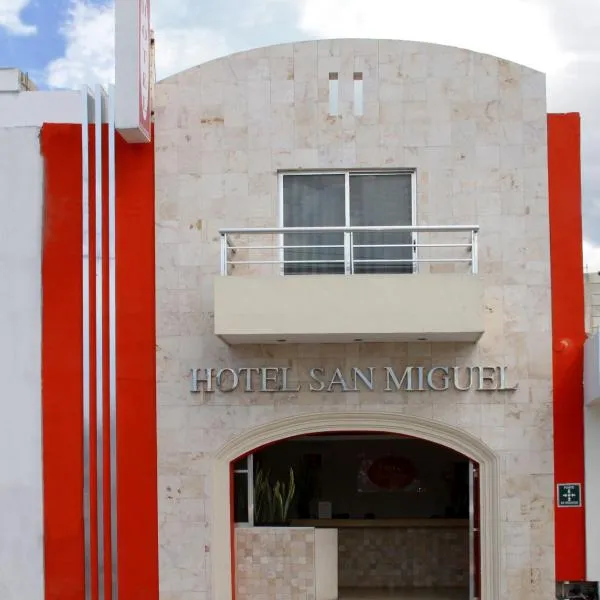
[[436, 434], [393, 514]]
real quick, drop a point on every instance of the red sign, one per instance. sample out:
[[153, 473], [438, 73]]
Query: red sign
[[133, 110], [391, 472]]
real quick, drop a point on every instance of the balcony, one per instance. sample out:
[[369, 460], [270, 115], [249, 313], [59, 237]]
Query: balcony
[[349, 284]]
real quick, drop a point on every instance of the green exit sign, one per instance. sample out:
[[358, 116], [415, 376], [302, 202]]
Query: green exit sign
[[568, 494]]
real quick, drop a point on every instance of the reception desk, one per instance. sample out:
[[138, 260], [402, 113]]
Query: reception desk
[[314, 558], [383, 523], [400, 553], [286, 562]]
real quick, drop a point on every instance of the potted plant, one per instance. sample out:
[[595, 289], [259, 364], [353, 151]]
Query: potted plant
[[272, 501]]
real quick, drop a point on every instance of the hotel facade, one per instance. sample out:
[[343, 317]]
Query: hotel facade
[[322, 337]]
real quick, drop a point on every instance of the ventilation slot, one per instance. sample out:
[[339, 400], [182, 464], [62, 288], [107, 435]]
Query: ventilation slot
[[333, 94], [358, 95]]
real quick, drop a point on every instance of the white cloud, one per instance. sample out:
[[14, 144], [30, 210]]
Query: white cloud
[[518, 30], [89, 54], [181, 48], [10, 17]]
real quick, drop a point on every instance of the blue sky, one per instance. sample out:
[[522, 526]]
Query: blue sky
[[64, 43], [31, 52], [190, 31], [36, 33]]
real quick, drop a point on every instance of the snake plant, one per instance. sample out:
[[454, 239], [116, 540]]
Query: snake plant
[[272, 502]]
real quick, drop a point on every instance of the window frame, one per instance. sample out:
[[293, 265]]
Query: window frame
[[347, 173], [249, 472]]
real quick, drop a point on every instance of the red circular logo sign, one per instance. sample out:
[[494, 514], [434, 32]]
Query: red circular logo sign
[[391, 472]]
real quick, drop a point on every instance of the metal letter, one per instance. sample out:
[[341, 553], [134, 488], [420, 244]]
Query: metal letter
[[503, 385], [420, 371], [483, 378], [266, 378], [455, 378], [313, 375], [445, 381], [358, 374], [248, 371], [234, 376], [284, 382], [198, 378], [390, 374], [338, 379]]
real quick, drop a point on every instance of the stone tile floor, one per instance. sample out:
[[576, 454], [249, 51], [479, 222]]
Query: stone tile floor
[[412, 594]]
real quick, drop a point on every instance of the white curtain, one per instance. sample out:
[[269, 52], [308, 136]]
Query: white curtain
[[318, 200], [381, 199], [314, 201]]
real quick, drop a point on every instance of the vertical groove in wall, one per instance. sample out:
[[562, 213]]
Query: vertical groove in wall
[[334, 91], [358, 94], [85, 297], [99, 100], [112, 344]]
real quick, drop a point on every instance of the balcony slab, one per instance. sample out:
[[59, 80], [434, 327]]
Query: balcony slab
[[349, 308]]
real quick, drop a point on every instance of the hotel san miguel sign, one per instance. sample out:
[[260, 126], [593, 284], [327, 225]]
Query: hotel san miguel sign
[[355, 379], [133, 111]]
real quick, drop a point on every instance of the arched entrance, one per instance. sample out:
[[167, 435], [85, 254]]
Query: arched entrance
[[311, 423]]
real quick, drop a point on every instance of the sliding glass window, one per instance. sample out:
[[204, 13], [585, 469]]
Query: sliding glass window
[[347, 199]]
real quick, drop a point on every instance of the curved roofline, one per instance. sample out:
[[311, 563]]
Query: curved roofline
[[352, 39]]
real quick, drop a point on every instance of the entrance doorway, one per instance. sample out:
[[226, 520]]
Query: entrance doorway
[[405, 512]]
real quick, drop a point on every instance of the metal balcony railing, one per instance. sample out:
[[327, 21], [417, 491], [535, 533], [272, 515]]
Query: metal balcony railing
[[349, 250]]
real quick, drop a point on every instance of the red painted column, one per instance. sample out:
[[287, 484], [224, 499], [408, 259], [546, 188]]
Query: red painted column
[[136, 373], [568, 334], [62, 371]]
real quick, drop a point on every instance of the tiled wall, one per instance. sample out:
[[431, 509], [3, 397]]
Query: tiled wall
[[275, 563], [381, 558], [474, 128]]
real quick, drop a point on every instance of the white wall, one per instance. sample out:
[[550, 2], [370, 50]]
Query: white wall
[[21, 523], [592, 491], [13, 80], [26, 109], [592, 444]]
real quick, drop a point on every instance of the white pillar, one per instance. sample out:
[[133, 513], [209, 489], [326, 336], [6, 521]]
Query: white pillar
[[21, 500], [592, 491]]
